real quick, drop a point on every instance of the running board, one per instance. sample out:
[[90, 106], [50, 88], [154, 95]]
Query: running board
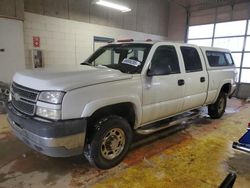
[[163, 124]]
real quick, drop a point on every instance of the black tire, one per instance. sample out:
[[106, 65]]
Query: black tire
[[94, 149], [216, 110]]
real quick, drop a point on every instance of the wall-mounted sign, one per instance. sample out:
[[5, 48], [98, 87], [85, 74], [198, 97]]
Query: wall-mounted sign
[[36, 42]]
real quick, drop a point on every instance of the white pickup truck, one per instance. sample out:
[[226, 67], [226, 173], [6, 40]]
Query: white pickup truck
[[122, 88]]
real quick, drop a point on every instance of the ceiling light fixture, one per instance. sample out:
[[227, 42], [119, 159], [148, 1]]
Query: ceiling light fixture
[[113, 5]]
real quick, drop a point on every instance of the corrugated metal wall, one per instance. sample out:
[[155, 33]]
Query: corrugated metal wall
[[221, 14]]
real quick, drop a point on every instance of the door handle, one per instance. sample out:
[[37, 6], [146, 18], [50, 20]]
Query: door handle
[[2, 50], [202, 79], [181, 82]]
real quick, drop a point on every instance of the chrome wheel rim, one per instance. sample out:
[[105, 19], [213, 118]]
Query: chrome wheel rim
[[221, 105], [113, 143]]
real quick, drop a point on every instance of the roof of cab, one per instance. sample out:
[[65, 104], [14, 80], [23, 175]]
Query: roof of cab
[[135, 42], [147, 42], [204, 48]]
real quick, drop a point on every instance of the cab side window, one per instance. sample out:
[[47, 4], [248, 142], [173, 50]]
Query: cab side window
[[191, 59], [165, 61]]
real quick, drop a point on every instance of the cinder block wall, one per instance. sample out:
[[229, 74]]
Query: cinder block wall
[[68, 42]]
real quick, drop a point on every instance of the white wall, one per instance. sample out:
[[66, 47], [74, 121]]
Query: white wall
[[67, 42], [11, 40], [177, 22]]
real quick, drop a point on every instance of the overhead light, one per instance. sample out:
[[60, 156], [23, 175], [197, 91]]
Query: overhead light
[[113, 5]]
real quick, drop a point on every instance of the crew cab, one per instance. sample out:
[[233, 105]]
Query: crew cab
[[124, 87]]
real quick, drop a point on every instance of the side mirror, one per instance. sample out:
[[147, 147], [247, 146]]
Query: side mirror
[[150, 73], [158, 70]]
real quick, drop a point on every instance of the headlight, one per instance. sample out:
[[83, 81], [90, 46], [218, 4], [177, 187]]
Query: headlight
[[48, 113], [54, 97]]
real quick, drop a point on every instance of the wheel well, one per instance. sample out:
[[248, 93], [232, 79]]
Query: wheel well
[[226, 88], [125, 110]]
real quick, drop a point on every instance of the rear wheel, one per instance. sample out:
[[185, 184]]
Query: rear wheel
[[217, 109], [109, 143]]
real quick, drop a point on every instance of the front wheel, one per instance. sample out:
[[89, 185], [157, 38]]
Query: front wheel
[[217, 109], [109, 143]]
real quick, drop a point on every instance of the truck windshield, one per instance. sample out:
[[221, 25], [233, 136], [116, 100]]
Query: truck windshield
[[128, 58]]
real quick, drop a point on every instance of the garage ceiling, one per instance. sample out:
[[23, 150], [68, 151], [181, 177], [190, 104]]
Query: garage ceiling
[[196, 5]]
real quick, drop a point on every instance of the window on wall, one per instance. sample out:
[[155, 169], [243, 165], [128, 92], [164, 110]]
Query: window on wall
[[237, 58], [201, 31], [201, 35], [248, 30], [247, 48], [230, 28], [233, 44], [201, 42], [234, 36], [246, 60], [245, 75]]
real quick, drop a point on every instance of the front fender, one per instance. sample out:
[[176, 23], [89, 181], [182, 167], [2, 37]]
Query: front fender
[[93, 106]]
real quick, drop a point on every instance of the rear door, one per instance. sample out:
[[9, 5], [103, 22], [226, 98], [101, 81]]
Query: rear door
[[195, 76]]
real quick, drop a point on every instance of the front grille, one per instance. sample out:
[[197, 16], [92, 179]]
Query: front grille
[[24, 92], [24, 99], [24, 107]]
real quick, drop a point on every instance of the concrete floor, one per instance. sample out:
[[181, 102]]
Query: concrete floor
[[195, 154]]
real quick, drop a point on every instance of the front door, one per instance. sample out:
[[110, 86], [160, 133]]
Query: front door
[[163, 93]]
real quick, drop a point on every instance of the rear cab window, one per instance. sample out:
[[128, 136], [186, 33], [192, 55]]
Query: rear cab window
[[219, 59]]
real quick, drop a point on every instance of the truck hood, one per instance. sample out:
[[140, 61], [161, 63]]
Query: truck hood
[[65, 79]]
